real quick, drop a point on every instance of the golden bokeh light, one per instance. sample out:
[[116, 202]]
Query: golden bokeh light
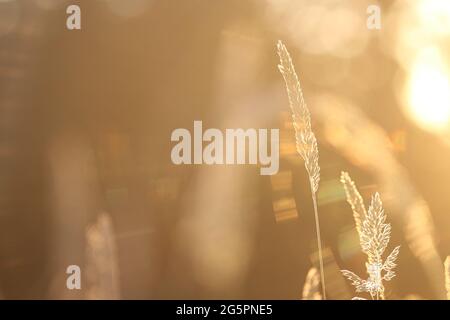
[[429, 91], [308, 24], [435, 14], [420, 31]]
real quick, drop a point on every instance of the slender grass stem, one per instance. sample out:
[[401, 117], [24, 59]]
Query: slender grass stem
[[319, 242], [306, 142]]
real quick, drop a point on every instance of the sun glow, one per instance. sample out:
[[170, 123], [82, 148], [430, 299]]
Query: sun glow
[[429, 91]]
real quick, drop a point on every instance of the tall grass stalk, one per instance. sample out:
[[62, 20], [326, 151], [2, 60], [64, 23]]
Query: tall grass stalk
[[306, 141]]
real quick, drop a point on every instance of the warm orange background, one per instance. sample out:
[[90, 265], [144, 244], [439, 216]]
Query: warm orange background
[[86, 118]]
